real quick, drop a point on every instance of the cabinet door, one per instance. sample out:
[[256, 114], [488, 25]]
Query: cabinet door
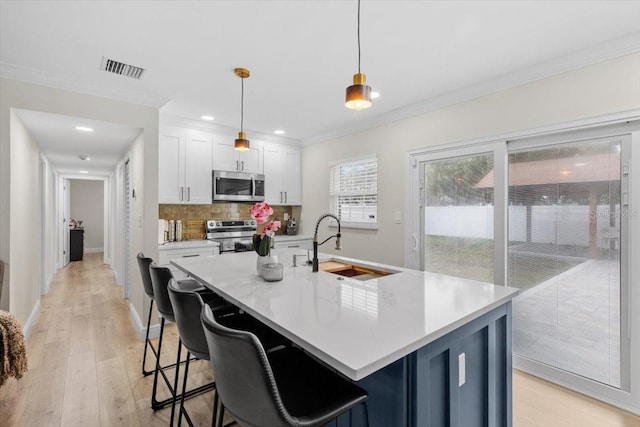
[[291, 183], [251, 159], [273, 173], [224, 155], [170, 166], [227, 158], [198, 168]]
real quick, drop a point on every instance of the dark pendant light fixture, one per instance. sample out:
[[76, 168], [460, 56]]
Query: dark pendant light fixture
[[241, 143], [359, 94]]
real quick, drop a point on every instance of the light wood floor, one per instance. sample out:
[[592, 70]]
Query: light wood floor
[[84, 368]]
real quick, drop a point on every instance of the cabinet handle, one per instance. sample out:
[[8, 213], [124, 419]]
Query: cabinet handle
[[190, 256], [237, 165], [285, 197], [181, 194], [242, 163], [281, 197], [294, 246], [188, 194]]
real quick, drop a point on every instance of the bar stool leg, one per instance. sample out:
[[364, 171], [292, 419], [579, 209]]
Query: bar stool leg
[[155, 404], [215, 410], [183, 411], [147, 344], [175, 381]]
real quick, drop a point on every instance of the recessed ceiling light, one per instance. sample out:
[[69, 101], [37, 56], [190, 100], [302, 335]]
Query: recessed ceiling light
[[375, 94], [84, 171], [83, 157], [84, 129], [207, 118], [579, 164], [278, 132]]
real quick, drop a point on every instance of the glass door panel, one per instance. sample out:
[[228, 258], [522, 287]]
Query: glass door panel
[[459, 217], [564, 255]]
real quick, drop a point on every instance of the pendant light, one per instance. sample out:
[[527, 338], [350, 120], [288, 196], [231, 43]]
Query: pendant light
[[359, 94], [241, 143]]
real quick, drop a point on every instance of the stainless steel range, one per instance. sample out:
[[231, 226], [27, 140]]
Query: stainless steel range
[[233, 235]]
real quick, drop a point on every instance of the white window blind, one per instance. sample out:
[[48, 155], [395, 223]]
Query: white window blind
[[353, 190]]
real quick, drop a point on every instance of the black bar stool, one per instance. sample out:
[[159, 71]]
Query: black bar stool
[[284, 388], [143, 264], [160, 277], [187, 306]]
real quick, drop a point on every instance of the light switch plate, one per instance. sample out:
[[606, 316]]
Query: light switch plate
[[462, 374]]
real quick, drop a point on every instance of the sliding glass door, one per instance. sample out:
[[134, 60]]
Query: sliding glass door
[[548, 216], [458, 234], [565, 246]]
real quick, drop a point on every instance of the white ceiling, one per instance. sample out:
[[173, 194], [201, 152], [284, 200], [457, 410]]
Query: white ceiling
[[61, 143], [302, 54]]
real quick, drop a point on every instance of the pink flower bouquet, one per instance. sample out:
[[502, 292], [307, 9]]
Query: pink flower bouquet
[[262, 242]]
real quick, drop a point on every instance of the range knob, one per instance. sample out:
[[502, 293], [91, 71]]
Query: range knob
[[218, 223]]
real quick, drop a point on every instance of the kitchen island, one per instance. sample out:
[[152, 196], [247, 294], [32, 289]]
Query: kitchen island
[[430, 349]]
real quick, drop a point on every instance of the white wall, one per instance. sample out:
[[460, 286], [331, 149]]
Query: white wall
[[16, 219], [596, 90], [24, 235], [87, 205]]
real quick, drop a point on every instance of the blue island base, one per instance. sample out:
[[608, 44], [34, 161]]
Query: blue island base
[[424, 389]]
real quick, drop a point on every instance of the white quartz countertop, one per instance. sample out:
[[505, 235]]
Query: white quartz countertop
[[188, 244], [357, 327]]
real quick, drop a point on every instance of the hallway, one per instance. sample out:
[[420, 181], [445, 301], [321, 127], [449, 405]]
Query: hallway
[[85, 356]]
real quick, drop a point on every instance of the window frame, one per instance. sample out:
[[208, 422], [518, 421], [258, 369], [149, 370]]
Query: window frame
[[370, 225]]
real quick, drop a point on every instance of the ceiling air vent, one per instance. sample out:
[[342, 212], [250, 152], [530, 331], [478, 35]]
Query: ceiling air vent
[[121, 68]]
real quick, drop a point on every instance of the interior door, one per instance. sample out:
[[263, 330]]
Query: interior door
[[66, 217]]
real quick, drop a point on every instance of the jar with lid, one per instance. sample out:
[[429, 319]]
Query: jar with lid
[[172, 230]]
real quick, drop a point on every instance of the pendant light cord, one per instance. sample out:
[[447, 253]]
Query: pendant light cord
[[242, 106], [358, 36]]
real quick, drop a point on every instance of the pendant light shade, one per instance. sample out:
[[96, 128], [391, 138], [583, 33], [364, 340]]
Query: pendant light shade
[[359, 94], [241, 143]]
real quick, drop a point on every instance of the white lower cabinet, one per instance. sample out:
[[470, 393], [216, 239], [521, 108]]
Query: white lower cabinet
[[301, 242], [166, 255], [282, 174]]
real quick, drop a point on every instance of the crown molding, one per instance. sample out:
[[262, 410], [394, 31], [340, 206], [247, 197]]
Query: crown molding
[[599, 53], [32, 75]]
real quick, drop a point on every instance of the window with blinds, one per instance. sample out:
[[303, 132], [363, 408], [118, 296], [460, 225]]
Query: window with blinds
[[353, 191]]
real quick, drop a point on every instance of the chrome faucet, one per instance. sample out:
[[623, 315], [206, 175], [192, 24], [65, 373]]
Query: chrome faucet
[[315, 240]]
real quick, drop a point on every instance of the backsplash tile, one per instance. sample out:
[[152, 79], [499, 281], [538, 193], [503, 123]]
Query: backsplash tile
[[217, 211]]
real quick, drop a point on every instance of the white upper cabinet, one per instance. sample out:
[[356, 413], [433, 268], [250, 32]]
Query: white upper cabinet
[[184, 166], [282, 174], [171, 165], [226, 158]]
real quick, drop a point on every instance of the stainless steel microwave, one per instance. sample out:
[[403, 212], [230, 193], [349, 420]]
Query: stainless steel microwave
[[237, 187]]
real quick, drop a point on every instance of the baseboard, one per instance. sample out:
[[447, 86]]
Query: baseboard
[[49, 280], [93, 250], [154, 330], [26, 329]]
